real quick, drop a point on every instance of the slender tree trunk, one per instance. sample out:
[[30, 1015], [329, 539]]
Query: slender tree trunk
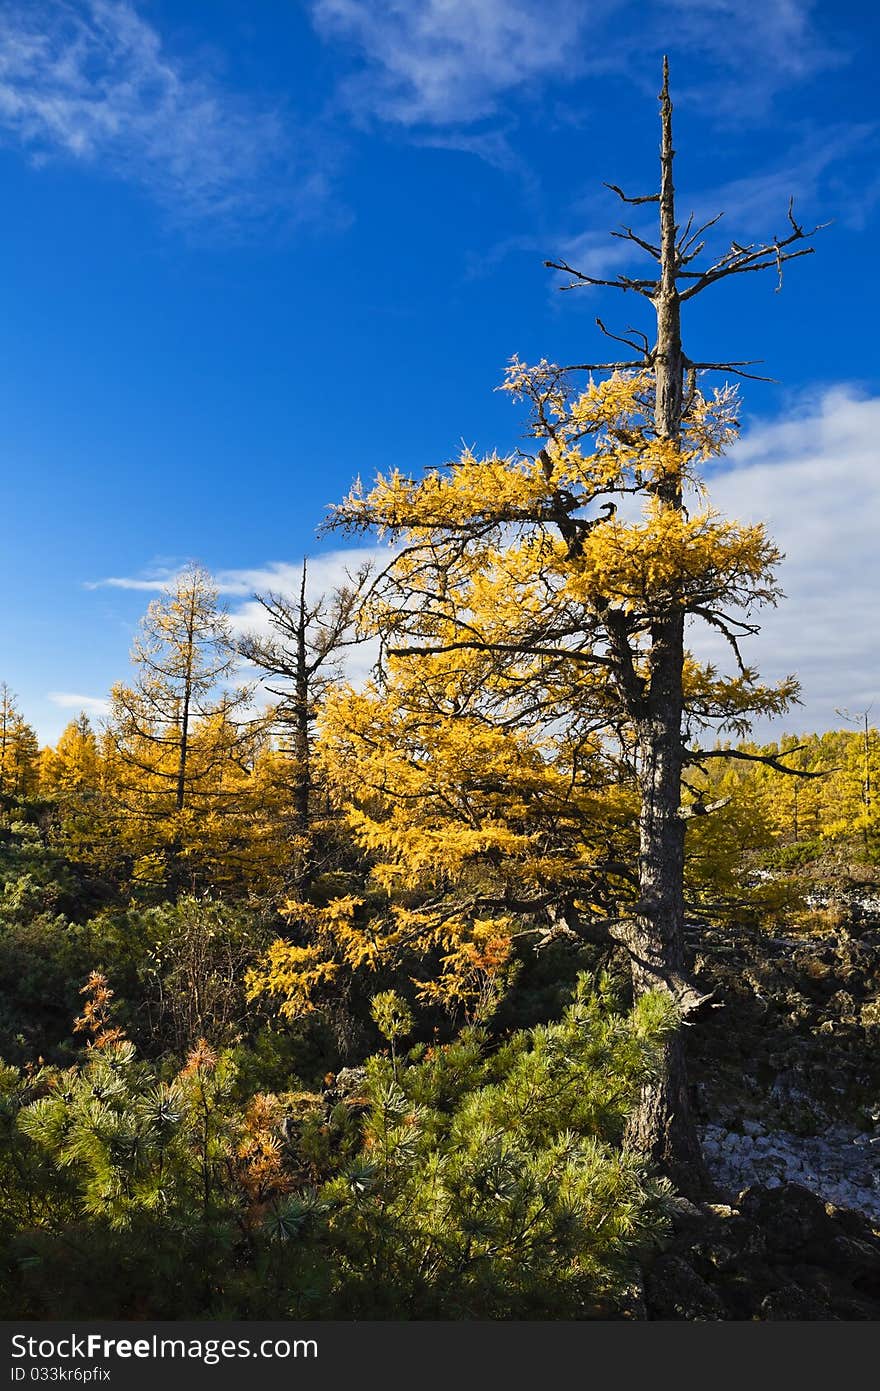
[[302, 786], [180, 788], [176, 848], [663, 1123], [4, 725], [183, 753], [866, 781]]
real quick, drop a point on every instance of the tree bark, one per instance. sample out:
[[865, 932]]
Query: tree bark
[[175, 849], [183, 750], [663, 1124], [302, 785]]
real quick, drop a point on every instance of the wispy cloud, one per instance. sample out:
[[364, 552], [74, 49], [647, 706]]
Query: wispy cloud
[[93, 82], [817, 171], [151, 584], [439, 62], [761, 48], [326, 571], [71, 700], [597, 253], [497, 148], [450, 62]]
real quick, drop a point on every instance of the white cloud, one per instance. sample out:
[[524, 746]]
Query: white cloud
[[756, 204], [765, 46], [449, 62], [70, 700], [325, 572], [495, 147], [814, 479], [601, 255], [150, 585], [92, 82]]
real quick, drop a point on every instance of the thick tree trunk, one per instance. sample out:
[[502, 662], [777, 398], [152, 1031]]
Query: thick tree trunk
[[663, 1124]]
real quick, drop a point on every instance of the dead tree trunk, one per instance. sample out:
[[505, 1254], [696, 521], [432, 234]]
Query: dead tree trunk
[[663, 1124], [303, 651], [302, 870], [176, 869], [650, 679]]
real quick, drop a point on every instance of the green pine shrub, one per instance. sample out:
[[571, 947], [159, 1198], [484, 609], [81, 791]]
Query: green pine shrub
[[467, 1180]]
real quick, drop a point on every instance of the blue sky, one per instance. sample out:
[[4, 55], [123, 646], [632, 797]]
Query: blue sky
[[254, 250]]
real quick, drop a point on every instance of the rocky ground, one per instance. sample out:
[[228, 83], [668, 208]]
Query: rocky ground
[[787, 1072], [841, 1165], [776, 1253]]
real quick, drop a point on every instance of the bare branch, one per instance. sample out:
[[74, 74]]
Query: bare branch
[[765, 258], [623, 282], [687, 250], [604, 367], [698, 756], [515, 648], [735, 368], [701, 808], [646, 198], [716, 620], [642, 347], [629, 235]]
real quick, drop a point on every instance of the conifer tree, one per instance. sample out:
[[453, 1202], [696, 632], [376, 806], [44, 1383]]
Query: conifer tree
[[72, 768], [509, 558], [301, 657], [861, 776], [180, 745], [71, 777], [19, 750]]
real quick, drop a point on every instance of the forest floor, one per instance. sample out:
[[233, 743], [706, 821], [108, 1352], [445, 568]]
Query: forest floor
[[787, 1077]]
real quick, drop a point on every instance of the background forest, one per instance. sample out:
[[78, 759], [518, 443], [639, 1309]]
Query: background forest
[[262, 1055]]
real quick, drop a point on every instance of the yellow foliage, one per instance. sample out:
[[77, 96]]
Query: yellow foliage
[[488, 771], [473, 970], [294, 975], [675, 561]]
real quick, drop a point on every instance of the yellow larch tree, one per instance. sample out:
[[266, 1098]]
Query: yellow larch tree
[[181, 748], [572, 571], [476, 825], [19, 751], [855, 788], [71, 778]]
